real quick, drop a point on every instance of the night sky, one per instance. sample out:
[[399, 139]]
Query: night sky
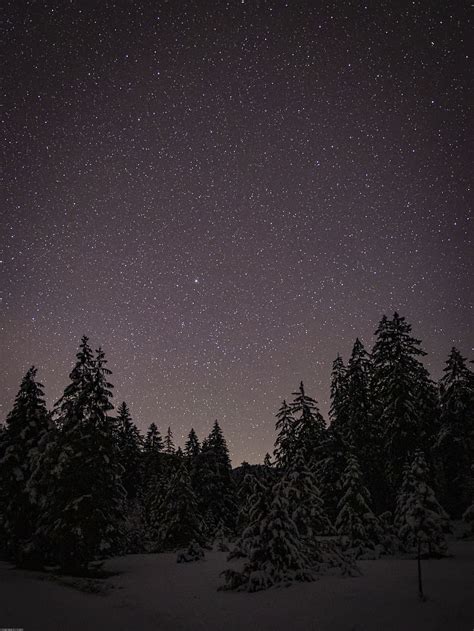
[[225, 194]]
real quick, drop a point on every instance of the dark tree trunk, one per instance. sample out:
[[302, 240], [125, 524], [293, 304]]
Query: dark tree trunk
[[420, 581]]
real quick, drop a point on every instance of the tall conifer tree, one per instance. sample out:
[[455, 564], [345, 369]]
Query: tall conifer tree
[[455, 440], [26, 426], [286, 441], [309, 425], [82, 514], [398, 384], [129, 443]]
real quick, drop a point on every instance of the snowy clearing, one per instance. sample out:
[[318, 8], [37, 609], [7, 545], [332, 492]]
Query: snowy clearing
[[153, 592]]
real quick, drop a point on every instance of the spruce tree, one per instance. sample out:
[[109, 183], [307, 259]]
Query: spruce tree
[[329, 470], [286, 441], [180, 520], [153, 479], [310, 427], [356, 522], [306, 506], [420, 519], [363, 432], [214, 481], [276, 553], [338, 411], [252, 502], [153, 443], [129, 443], [168, 443], [455, 441], [81, 516], [26, 426], [399, 383], [192, 448], [152, 464]]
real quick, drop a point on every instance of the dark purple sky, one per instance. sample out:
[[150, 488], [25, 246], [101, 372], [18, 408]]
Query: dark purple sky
[[225, 194]]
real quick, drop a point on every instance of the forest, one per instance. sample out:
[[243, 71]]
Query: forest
[[388, 474]]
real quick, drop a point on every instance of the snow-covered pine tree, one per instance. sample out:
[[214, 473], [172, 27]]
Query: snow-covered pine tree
[[455, 441], [286, 441], [356, 523], [420, 519], [221, 537], [276, 553], [194, 552], [399, 381], [250, 490], [26, 426], [180, 520], [310, 427], [330, 469], [305, 504], [129, 443], [81, 516]]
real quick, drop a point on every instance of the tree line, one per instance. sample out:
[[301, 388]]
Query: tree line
[[393, 466]]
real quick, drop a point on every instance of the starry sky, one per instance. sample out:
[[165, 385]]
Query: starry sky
[[225, 194]]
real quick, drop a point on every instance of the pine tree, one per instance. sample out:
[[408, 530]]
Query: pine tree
[[192, 448], [420, 519], [306, 506], [26, 426], [455, 441], [286, 441], [358, 398], [129, 442], [169, 447], [355, 521], [129, 445], [180, 521], [276, 553], [152, 465], [338, 409], [81, 516], [214, 481], [399, 382], [153, 480], [362, 430], [153, 442], [248, 492], [329, 470], [310, 427]]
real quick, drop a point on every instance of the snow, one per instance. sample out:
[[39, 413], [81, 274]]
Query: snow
[[154, 593]]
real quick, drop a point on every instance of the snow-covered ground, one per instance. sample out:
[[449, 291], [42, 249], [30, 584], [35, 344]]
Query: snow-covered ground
[[154, 593]]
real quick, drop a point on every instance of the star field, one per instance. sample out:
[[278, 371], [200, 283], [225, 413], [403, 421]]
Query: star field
[[224, 195]]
